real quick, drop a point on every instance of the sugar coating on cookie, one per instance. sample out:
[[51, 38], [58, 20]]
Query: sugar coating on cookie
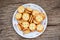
[[21, 9], [32, 26], [28, 11], [18, 16], [25, 16], [40, 27]]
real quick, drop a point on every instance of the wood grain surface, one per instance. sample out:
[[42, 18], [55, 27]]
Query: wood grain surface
[[52, 8]]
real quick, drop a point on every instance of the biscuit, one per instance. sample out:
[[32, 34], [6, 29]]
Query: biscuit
[[20, 21], [34, 21], [31, 19], [18, 16], [25, 16], [25, 25], [39, 18], [35, 12], [19, 27], [29, 9], [26, 31], [42, 15], [32, 26], [40, 27], [21, 9]]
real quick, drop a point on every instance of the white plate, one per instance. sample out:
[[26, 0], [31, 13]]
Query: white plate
[[32, 34]]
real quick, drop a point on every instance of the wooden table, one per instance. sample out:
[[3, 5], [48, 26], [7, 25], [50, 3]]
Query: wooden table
[[52, 8]]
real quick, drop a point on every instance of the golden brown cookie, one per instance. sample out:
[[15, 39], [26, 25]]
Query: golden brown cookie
[[31, 19], [29, 9], [34, 21], [42, 14], [19, 27], [20, 21], [40, 27], [26, 31], [35, 12], [18, 16], [21, 9], [25, 25], [25, 16], [32, 26], [39, 18]]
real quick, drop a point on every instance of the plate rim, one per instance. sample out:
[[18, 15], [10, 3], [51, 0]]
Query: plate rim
[[39, 34]]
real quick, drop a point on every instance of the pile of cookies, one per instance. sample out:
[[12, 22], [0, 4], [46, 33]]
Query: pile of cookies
[[29, 20]]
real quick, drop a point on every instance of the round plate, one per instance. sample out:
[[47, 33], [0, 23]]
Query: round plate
[[31, 34]]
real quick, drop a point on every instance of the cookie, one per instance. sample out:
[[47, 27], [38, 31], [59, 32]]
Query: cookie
[[34, 21], [19, 27], [31, 19], [40, 27], [25, 16], [39, 18], [18, 16], [26, 31], [21, 9], [25, 25], [29, 9], [32, 26], [35, 12], [42, 15]]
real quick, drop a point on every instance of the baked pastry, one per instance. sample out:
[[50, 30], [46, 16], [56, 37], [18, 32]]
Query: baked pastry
[[20, 21], [25, 25], [29, 9], [32, 26], [18, 16], [25, 16], [19, 27], [31, 19], [40, 27], [26, 31], [34, 21], [21, 9], [42, 15], [35, 12], [39, 18]]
